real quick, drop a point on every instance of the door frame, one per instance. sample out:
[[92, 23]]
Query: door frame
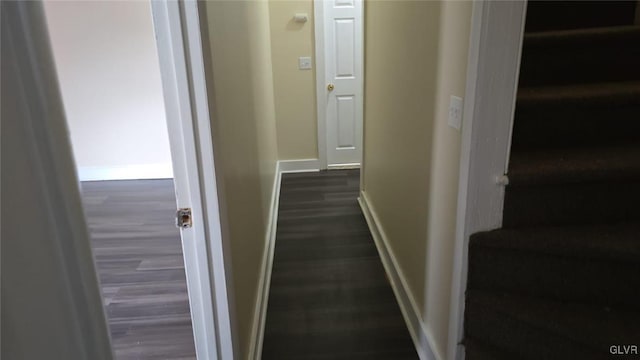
[[181, 60], [179, 42], [493, 66], [321, 80]]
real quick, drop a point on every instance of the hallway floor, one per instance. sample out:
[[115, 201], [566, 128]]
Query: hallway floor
[[139, 259], [329, 296]]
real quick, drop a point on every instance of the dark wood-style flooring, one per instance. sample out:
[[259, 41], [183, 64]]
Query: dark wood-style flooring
[[141, 269], [329, 296]]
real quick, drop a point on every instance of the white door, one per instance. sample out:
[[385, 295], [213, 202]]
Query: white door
[[343, 58], [181, 65]]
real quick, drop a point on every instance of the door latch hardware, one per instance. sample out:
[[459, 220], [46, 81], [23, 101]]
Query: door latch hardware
[[183, 218]]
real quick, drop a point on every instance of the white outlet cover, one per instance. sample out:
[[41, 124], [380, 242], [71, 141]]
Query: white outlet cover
[[304, 63], [455, 112]]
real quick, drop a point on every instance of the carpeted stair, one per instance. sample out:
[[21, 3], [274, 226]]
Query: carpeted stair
[[561, 279]]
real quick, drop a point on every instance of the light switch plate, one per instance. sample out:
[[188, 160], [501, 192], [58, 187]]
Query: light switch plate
[[455, 112], [304, 63]]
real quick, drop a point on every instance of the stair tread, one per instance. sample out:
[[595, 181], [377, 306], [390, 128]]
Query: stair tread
[[572, 14], [624, 32], [612, 93], [620, 242], [560, 280], [595, 327], [589, 55], [575, 165]]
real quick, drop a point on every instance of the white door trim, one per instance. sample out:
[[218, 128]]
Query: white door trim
[[321, 79], [492, 77], [179, 44], [218, 266]]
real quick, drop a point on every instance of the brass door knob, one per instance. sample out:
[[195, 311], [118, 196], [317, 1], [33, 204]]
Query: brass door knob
[[330, 87]]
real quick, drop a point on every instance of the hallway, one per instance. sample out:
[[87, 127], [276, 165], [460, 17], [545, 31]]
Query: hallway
[[329, 297]]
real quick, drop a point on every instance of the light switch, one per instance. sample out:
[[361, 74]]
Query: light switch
[[304, 63], [455, 112]]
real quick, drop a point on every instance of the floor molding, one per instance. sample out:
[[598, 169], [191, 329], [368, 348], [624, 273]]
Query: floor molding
[[343, 166], [260, 312], [302, 165], [420, 335], [127, 172]]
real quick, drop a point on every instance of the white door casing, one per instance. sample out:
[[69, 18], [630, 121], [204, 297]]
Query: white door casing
[[177, 32], [493, 65], [342, 86]]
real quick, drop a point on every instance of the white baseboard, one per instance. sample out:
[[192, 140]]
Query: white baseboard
[[302, 165], [128, 172], [422, 338], [344, 166], [260, 311]]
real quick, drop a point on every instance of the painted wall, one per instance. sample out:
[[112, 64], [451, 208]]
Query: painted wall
[[401, 62], [294, 89], [415, 58], [455, 20], [244, 126], [109, 75]]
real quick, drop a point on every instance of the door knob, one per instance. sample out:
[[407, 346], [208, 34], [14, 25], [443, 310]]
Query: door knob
[[330, 87]]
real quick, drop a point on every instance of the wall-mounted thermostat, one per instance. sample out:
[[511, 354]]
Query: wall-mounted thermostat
[[301, 18]]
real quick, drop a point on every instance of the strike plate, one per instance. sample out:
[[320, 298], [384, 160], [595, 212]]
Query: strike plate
[[183, 218]]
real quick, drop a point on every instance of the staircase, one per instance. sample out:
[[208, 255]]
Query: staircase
[[561, 279]]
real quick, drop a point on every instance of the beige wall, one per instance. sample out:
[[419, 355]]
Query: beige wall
[[455, 20], [245, 140], [294, 89], [401, 44], [415, 58], [109, 74]]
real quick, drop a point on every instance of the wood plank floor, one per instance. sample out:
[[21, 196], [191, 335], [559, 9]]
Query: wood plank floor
[[329, 297], [139, 260]]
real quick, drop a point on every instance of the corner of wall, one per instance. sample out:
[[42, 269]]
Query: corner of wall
[[246, 143], [294, 89], [453, 49], [260, 310], [421, 334]]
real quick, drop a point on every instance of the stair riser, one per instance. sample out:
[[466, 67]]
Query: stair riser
[[571, 204], [471, 354], [582, 62], [611, 283], [538, 127], [475, 350], [525, 342], [555, 15]]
